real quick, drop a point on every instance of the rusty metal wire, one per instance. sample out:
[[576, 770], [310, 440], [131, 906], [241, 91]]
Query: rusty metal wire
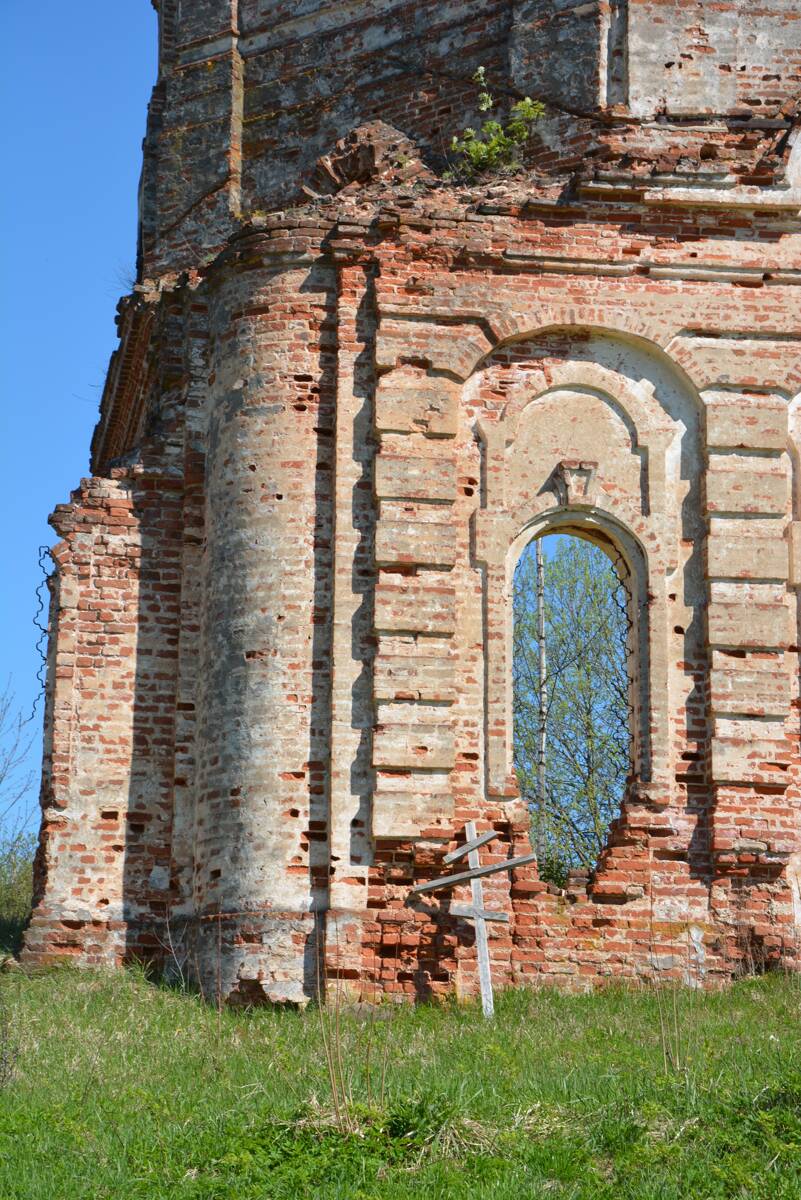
[[46, 567]]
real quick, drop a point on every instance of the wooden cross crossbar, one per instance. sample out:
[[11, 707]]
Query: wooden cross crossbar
[[476, 911], [449, 881], [480, 914]]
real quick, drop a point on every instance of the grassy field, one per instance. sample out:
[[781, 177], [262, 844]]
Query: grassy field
[[113, 1088]]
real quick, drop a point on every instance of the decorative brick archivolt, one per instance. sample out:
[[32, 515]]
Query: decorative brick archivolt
[[498, 316], [630, 507]]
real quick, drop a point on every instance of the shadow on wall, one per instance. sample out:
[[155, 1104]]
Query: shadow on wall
[[147, 838], [159, 841]]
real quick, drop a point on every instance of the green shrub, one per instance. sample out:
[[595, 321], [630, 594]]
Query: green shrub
[[495, 146], [16, 886]]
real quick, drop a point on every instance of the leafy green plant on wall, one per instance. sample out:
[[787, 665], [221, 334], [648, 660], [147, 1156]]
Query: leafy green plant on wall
[[495, 146]]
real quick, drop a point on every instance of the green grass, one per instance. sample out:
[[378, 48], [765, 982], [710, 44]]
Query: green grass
[[120, 1089]]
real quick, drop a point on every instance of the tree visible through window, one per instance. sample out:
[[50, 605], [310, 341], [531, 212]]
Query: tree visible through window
[[572, 727]]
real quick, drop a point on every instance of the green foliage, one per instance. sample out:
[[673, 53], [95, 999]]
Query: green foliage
[[17, 846], [122, 1091], [496, 145], [553, 864], [16, 884], [587, 755]]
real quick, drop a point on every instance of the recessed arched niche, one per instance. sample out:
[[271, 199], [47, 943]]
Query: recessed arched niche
[[598, 439]]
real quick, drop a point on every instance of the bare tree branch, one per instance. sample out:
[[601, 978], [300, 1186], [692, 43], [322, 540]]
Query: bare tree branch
[[588, 714]]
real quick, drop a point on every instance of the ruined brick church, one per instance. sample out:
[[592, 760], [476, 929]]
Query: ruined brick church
[[349, 391]]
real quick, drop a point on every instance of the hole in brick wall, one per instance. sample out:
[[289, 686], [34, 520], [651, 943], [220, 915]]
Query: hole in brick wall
[[572, 689]]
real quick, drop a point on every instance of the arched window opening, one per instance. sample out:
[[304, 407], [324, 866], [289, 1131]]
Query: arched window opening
[[572, 696]]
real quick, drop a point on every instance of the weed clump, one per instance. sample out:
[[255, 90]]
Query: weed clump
[[495, 147]]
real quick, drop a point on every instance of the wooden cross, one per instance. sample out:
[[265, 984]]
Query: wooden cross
[[476, 911]]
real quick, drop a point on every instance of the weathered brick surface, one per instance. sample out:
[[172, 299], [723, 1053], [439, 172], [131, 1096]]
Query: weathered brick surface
[[279, 673]]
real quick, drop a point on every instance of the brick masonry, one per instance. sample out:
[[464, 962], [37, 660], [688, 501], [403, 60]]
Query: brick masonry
[[347, 394]]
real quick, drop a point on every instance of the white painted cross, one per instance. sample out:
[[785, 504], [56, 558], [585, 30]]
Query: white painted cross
[[476, 911]]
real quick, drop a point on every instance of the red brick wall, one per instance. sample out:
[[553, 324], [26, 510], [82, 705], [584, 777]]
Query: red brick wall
[[279, 666], [251, 94]]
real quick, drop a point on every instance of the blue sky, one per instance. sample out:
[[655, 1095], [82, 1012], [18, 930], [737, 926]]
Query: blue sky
[[75, 85]]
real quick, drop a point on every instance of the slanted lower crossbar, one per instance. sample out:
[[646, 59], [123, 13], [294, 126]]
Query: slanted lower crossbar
[[477, 914], [451, 881]]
